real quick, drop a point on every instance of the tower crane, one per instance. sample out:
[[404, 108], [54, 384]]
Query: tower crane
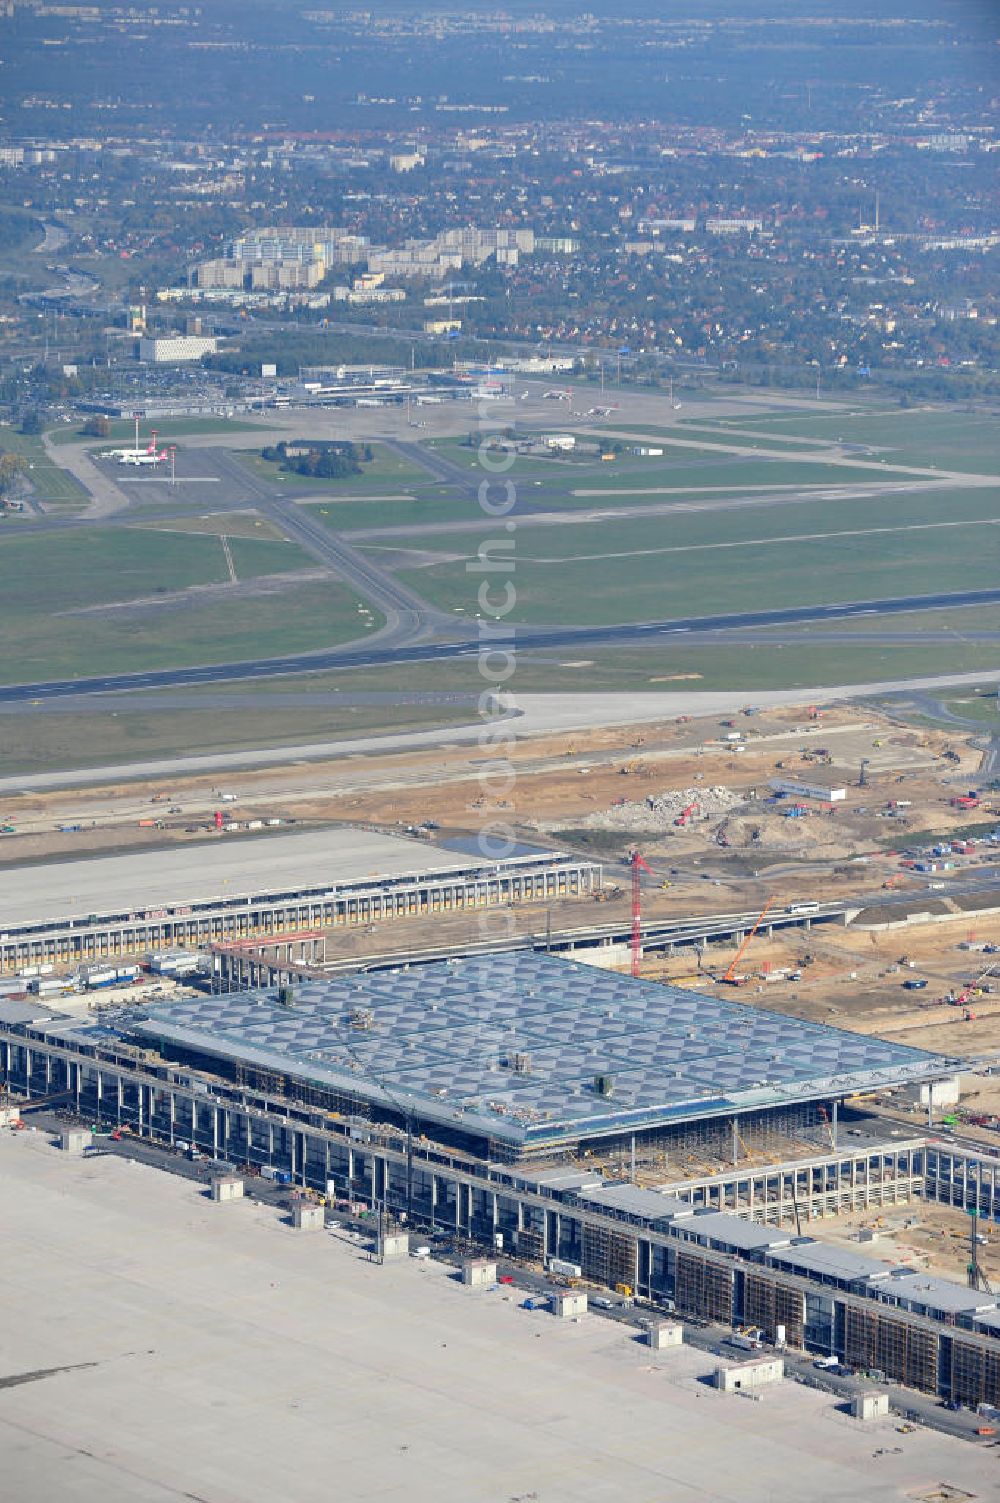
[[638, 866]]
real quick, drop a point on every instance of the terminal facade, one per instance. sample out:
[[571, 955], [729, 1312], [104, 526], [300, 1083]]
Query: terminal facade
[[222, 920], [928, 1334], [735, 1248]]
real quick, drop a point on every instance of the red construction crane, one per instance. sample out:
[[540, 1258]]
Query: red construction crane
[[973, 986], [638, 866]]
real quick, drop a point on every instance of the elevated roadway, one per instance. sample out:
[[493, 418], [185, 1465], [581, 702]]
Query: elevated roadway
[[661, 933]]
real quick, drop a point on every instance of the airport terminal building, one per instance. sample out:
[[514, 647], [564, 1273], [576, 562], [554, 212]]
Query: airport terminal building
[[262, 887], [473, 1097]]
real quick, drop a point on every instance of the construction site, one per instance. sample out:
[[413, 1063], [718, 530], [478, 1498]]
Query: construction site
[[779, 1114]]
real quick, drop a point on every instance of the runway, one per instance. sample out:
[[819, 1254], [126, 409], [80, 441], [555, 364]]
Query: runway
[[493, 638]]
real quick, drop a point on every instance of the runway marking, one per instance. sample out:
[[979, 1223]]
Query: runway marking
[[691, 490], [229, 558], [799, 537]]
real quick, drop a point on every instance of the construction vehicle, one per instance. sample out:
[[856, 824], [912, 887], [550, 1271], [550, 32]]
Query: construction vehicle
[[607, 894], [685, 815], [824, 1117], [730, 978], [638, 866], [972, 988]]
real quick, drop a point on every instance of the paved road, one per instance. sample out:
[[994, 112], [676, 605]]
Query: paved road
[[536, 715], [408, 618], [523, 639]]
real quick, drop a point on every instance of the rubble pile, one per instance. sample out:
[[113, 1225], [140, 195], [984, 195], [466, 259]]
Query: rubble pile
[[659, 811]]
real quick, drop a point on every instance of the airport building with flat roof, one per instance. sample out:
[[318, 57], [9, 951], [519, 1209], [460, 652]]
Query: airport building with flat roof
[[521, 1055], [244, 887], [490, 1099]]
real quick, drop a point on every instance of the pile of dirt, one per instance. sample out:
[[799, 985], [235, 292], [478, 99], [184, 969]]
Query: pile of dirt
[[815, 835]]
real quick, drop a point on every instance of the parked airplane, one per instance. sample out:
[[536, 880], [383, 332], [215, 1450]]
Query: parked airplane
[[127, 456], [144, 456]]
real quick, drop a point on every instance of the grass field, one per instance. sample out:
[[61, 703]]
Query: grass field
[[417, 509], [51, 485], [694, 467], [122, 431], [666, 666], [36, 742], [43, 578], [231, 524], [696, 564], [912, 436], [982, 707], [959, 622], [95, 565], [713, 431], [39, 742], [315, 615], [386, 474]]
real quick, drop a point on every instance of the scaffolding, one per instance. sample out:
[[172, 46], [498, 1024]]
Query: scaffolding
[[703, 1288], [768, 1303], [879, 1343], [529, 1244], [707, 1143], [975, 1374], [609, 1257]]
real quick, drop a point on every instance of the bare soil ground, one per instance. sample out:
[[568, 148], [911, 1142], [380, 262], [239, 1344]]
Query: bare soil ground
[[923, 1236], [567, 791]]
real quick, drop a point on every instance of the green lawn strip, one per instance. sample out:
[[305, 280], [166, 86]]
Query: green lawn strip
[[693, 467], [665, 666], [350, 514], [39, 743], [50, 484], [122, 430], [372, 515], [958, 621], [915, 436], [578, 577], [254, 557], [232, 524], [309, 617], [720, 539], [695, 428], [984, 707]]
